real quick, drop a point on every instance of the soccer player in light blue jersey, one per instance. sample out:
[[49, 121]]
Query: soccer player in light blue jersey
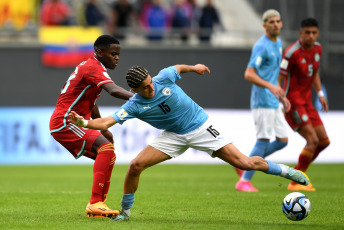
[[160, 102], [262, 71]]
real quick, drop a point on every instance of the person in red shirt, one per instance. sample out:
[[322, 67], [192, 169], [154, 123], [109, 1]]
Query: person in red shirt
[[299, 69], [79, 93], [54, 13]]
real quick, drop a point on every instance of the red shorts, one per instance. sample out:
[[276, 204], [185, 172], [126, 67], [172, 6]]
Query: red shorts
[[77, 140], [300, 115]]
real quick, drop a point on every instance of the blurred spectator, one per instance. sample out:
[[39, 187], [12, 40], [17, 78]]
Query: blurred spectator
[[196, 15], [154, 18], [93, 15], [181, 18], [55, 12], [209, 18], [123, 16]]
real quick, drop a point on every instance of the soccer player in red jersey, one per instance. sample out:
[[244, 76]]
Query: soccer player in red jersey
[[299, 69], [79, 93]]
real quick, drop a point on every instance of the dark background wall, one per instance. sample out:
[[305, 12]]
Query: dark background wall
[[26, 82]]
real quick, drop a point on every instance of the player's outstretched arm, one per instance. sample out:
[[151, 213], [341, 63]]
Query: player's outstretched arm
[[97, 124], [117, 91], [199, 68]]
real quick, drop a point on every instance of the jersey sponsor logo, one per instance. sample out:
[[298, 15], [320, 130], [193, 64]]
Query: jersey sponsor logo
[[122, 114], [317, 57], [258, 61], [166, 91], [284, 64], [106, 75]]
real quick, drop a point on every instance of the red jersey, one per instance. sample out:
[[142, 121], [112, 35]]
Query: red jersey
[[300, 66], [80, 92]]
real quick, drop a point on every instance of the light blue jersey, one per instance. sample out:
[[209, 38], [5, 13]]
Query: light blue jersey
[[170, 109], [265, 58]]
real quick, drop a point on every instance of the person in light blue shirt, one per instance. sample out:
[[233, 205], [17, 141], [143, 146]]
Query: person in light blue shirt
[[262, 71], [160, 102]]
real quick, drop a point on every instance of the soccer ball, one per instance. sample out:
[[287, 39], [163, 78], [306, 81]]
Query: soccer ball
[[296, 206]]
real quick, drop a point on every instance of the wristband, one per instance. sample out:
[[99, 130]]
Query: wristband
[[81, 122], [321, 93]]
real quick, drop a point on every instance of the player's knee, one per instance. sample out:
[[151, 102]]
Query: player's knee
[[135, 167], [325, 142], [312, 142]]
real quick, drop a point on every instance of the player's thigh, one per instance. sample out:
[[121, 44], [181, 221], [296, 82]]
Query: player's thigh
[[308, 132], [208, 138], [77, 141], [297, 117], [264, 122], [148, 157], [171, 144], [280, 125]]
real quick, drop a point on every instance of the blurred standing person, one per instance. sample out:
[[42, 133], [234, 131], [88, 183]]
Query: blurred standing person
[[196, 15], [262, 71], [93, 14], [299, 69], [123, 16], [181, 18], [209, 18], [54, 13], [80, 93], [154, 18]]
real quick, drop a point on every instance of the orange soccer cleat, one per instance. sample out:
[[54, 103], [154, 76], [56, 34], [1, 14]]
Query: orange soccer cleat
[[299, 187], [100, 209]]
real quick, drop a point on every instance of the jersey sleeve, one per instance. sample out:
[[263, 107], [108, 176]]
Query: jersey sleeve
[[98, 76], [286, 63], [126, 112], [168, 75], [257, 56]]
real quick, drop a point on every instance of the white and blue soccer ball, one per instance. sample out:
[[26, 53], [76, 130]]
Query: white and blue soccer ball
[[296, 206]]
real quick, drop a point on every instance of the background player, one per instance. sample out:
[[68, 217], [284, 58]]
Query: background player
[[163, 104], [299, 67], [262, 71], [79, 93]]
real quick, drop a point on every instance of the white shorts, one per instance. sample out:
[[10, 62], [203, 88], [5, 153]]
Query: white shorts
[[269, 123], [207, 138]]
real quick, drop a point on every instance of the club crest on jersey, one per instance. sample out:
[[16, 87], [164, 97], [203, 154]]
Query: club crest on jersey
[[317, 57], [166, 91], [122, 114]]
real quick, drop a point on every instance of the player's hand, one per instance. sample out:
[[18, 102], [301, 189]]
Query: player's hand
[[324, 105], [73, 117], [277, 91], [108, 135], [286, 103], [201, 69]]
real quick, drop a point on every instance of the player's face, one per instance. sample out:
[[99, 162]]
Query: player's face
[[273, 26], [309, 36], [109, 56], [146, 89]]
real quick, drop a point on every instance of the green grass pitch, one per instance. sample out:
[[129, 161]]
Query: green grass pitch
[[169, 197]]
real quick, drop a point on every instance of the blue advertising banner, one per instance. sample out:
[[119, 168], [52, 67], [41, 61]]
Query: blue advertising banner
[[25, 138]]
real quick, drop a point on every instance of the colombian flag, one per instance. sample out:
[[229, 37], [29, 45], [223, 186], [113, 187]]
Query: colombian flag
[[67, 46]]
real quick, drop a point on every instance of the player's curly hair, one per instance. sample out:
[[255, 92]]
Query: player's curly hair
[[104, 41], [135, 76]]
